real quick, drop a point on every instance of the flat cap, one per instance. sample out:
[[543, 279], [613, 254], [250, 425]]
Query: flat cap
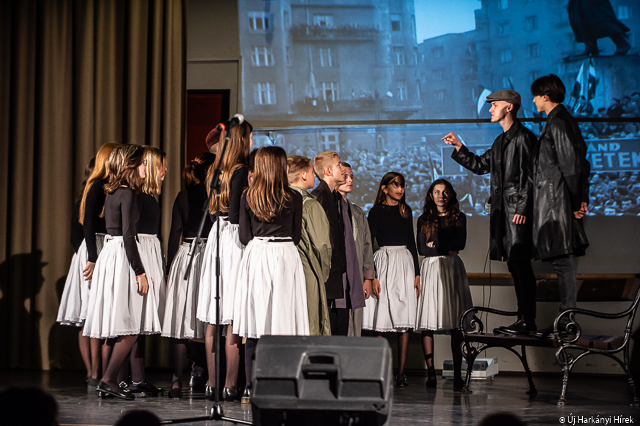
[[506, 95]]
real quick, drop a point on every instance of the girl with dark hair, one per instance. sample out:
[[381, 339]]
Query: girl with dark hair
[[119, 289], [393, 305], [180, 321], [75, 296], [271, 296], [444, 293], [148, 228], [234, 180]]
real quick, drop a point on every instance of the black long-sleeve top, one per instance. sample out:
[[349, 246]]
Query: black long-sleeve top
[[93, 223], [149, 214], [185, 219], [391, 229], [77, 233], [239, 181], [448, 238], [287, 224], [121, 215]]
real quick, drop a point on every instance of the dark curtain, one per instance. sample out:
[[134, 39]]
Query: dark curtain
[[75, 74]]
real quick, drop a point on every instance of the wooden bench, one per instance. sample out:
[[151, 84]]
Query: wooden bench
[[566, 344]]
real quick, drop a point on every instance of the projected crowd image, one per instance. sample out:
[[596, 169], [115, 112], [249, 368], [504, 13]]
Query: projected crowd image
[[379, 62]]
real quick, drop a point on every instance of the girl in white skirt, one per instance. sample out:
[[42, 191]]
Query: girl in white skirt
[[180, 322], [233, 181], [393, 305], [445, 294], [75, 299], [148, 227], [75, 296], [116, 309], [271, 296]]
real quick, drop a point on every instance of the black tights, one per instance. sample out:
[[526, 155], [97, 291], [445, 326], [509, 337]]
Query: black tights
[[456, 350], [179, 358]]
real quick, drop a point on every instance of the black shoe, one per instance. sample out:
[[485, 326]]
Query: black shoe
[[246, 396], [145, 388], [91, 382], [196, 382], [175, 393], [518, 328], [459, 385], [229, 394], [401, 381], [432, 379], [105, 390], [210, 393], [547, 332]]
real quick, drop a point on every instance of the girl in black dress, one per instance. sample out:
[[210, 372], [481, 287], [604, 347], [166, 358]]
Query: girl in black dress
[[445, 294], [120, 286], [393, 305], [180, 321]]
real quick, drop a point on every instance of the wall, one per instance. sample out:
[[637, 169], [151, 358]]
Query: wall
[[213, 48]]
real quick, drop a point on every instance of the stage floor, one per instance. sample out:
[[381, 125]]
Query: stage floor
[[597, 397]]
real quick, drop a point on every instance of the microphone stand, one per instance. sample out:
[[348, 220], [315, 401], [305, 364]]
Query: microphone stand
[[217, 413]]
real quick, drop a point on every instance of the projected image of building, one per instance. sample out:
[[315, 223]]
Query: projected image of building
[[514, 43], [329, 60]]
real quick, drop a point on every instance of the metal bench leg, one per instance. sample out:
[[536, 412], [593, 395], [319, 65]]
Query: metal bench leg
[[470, 357], [525, 364], [564, 360], [632, 385]]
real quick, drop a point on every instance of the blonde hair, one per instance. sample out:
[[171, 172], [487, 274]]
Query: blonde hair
[[270, 190], [100, 171], [156, 158], [322, 161], [296, 164], [123, 168], [235, 157]]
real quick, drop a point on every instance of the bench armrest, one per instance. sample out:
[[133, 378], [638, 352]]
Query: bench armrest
[[469, 319]]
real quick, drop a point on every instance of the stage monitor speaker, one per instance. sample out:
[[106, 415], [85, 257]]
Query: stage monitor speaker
[[321, 380]]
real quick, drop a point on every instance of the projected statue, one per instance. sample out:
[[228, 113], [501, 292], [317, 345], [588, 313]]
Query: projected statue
[[595, 19]]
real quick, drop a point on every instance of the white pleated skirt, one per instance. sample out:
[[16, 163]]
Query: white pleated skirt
[[75, 296], [395, 308], [180, 319], [271, 297], [231, 253], [115, 307], [152, 260], [444, 293]]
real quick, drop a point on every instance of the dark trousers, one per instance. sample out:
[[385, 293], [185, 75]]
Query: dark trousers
[[524, 281], [565, 268], [339, 320]]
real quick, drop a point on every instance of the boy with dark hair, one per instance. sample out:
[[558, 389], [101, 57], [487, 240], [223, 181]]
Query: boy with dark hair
[[560, 189]]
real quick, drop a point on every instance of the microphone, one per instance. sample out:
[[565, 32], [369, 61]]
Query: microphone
[[235, 121]]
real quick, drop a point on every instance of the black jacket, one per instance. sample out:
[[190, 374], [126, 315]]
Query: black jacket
[[329, 201], [561, 184], [510, 162]]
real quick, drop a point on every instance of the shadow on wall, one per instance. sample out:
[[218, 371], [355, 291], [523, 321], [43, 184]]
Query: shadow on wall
[[21, 280]]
